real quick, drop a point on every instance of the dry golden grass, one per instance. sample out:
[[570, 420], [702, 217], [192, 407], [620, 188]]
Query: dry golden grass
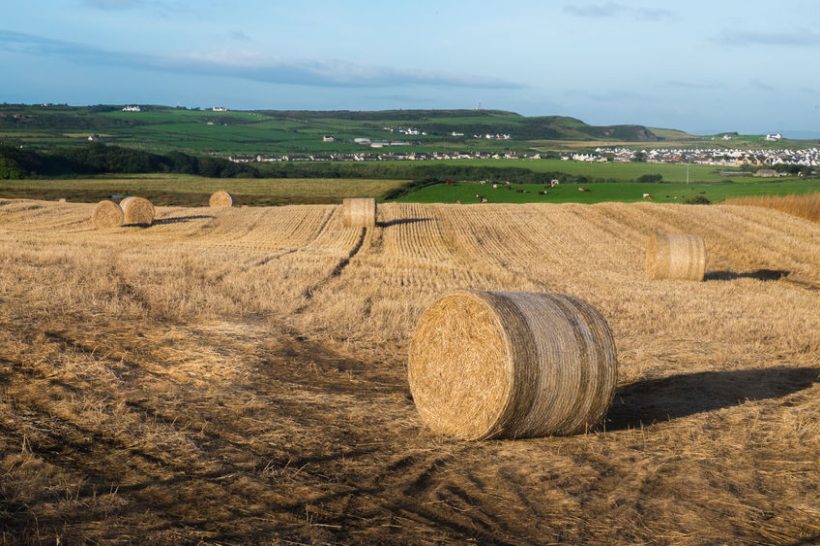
[[805, 206], [239, 376]]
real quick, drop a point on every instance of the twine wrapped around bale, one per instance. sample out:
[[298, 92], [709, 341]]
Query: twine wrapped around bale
[[511, 365], [138, 211], [359, 212], [221, 199], [107, 214], [675, 256]]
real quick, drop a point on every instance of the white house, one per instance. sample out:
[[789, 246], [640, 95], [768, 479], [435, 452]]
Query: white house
[[328, 138], [773, 137], [219, 109], [132, 109]]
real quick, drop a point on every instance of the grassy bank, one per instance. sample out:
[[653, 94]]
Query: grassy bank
[[194, 191]]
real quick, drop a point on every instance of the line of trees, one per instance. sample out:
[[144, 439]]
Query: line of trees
[[98, 158]]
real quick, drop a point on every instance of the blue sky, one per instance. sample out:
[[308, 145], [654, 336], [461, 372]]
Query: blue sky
[[703, 66]]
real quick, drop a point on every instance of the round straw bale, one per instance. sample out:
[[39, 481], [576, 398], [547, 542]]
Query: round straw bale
[[138, 211], [675, 256], [107, 214], [359, 212], [221, 199], [511, 365]]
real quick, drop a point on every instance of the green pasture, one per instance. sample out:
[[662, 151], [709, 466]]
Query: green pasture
[[619, 171], [470, 192]]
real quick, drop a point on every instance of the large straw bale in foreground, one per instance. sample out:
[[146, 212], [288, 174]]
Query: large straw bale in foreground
[[107, 214], [511, 365], [138, 211], [221, 199], [359, 212], [675, 256]]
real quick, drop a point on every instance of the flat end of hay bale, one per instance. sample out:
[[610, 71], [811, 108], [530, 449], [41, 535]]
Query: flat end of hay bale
[[359, 212], [221, 199], [138, 211], [458, 366], [511, 365], [107, 214]]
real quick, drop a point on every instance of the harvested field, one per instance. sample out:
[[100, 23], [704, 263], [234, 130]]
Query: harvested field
[[805, 206], [238, 375]]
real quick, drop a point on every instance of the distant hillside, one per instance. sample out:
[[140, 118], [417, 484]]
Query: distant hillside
[[673, 134], [480, 122], [162, 129]]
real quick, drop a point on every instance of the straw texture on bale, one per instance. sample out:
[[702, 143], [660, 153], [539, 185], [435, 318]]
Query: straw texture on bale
[[107, 214], [359, 212], [221, 199], [138, 211], [675, 256], [511, 365]]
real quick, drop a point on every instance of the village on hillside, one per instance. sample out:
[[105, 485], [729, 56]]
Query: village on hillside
[[760, 159]]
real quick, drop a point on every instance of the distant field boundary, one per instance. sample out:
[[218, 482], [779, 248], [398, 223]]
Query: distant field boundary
[[170, 190]]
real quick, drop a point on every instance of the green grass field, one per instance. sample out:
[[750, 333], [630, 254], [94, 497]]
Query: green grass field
[[618, 171], [195, 191], [467, 192]]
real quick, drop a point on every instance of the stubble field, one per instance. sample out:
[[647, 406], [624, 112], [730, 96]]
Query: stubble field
[[238, 376]]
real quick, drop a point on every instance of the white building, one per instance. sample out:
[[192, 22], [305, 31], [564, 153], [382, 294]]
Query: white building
[[132, 109]]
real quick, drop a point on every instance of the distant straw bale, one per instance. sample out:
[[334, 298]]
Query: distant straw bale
[[221, 199], [359, 212], [675, 256], [511, 365], [107, 214], [138, 211]]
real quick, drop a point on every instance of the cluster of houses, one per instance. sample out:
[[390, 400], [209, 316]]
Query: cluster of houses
[[410, 131], [383, 156], [496, 136], [770, 137], [762, 159], [809, 157], [136, 108]]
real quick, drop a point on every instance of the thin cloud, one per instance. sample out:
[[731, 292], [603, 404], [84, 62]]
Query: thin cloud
[[613, 9], [239, 36], [690, 85], [610, 96], [760, 85], [797, 38], [246, 65], [126, 5]]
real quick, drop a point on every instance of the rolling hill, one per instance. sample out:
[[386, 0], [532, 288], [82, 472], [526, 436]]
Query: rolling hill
[[162, 129]]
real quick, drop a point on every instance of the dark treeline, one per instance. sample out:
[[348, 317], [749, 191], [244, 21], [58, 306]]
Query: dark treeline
[[102, 159], [96, 158]]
